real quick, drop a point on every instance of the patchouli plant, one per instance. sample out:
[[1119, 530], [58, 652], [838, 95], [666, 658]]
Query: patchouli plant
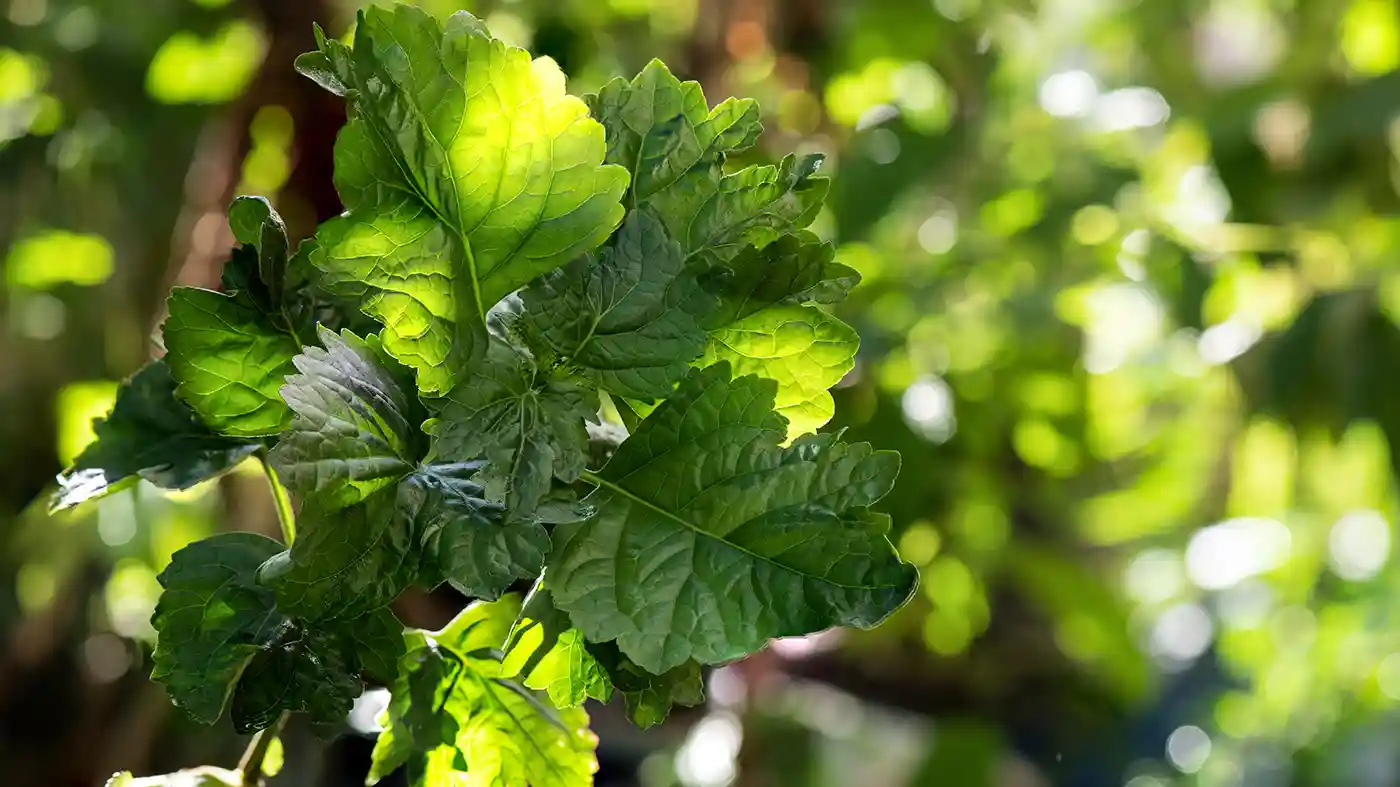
[[426, 376]]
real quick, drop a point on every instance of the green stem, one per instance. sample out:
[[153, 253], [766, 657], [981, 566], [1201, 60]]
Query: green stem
[[285, 517], [252, 762]]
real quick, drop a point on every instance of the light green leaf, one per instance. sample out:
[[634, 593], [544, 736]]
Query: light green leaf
[[355, 431], [546, 653], [802, 348], [467, 171], [203, 776], [702, 521], [508, 738], [415, 721], [626, 316], [526, 423], [460, 723], [228, 361], [658, 128], [212, 619], [152, 435]]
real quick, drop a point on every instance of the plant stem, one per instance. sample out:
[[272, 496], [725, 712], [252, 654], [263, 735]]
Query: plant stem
[[252, 761], [285, 518]]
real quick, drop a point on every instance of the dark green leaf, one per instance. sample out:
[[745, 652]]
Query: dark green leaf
[[703, 522], [647, 697], [467, 171], [349, 561], [464, 540], [309, 672], [228, 362], [528, 425], [152, 435], [796, 269], [212, 619], [627, 315]]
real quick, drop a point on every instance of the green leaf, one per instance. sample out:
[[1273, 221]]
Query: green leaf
[[228, 362], [548, 654], [794, 269], [702, 522], [658, 128], [527, 424], [355, 430], [212, 619], [256, 224], [661, 130], [510, 739], [350, 561], [203, 776], [310, 672], [802, 348], [454, 720], [221, 634], [466, 170], [649, 698], [463, 538], [152, 435], [626, 316], [374, 518], [415, 720]]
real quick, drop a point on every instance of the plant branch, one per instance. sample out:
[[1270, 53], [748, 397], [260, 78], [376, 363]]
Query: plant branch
[[285, 517], [251, 764]]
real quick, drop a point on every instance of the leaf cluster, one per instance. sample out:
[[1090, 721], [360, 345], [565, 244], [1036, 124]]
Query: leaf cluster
[[428, 375]]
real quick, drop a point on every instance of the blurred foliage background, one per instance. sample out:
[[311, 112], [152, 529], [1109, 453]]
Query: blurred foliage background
[[1129, 310]]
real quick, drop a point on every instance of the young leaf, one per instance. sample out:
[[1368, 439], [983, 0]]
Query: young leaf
[[528, 425], [626, 316], [661, 128], [802, 348], [794, 269], [467, 171], [658, 128], [548, 654], [152, 435], [355, 427], [255, 224], [374, 518], [708, 539], [229, 361]]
